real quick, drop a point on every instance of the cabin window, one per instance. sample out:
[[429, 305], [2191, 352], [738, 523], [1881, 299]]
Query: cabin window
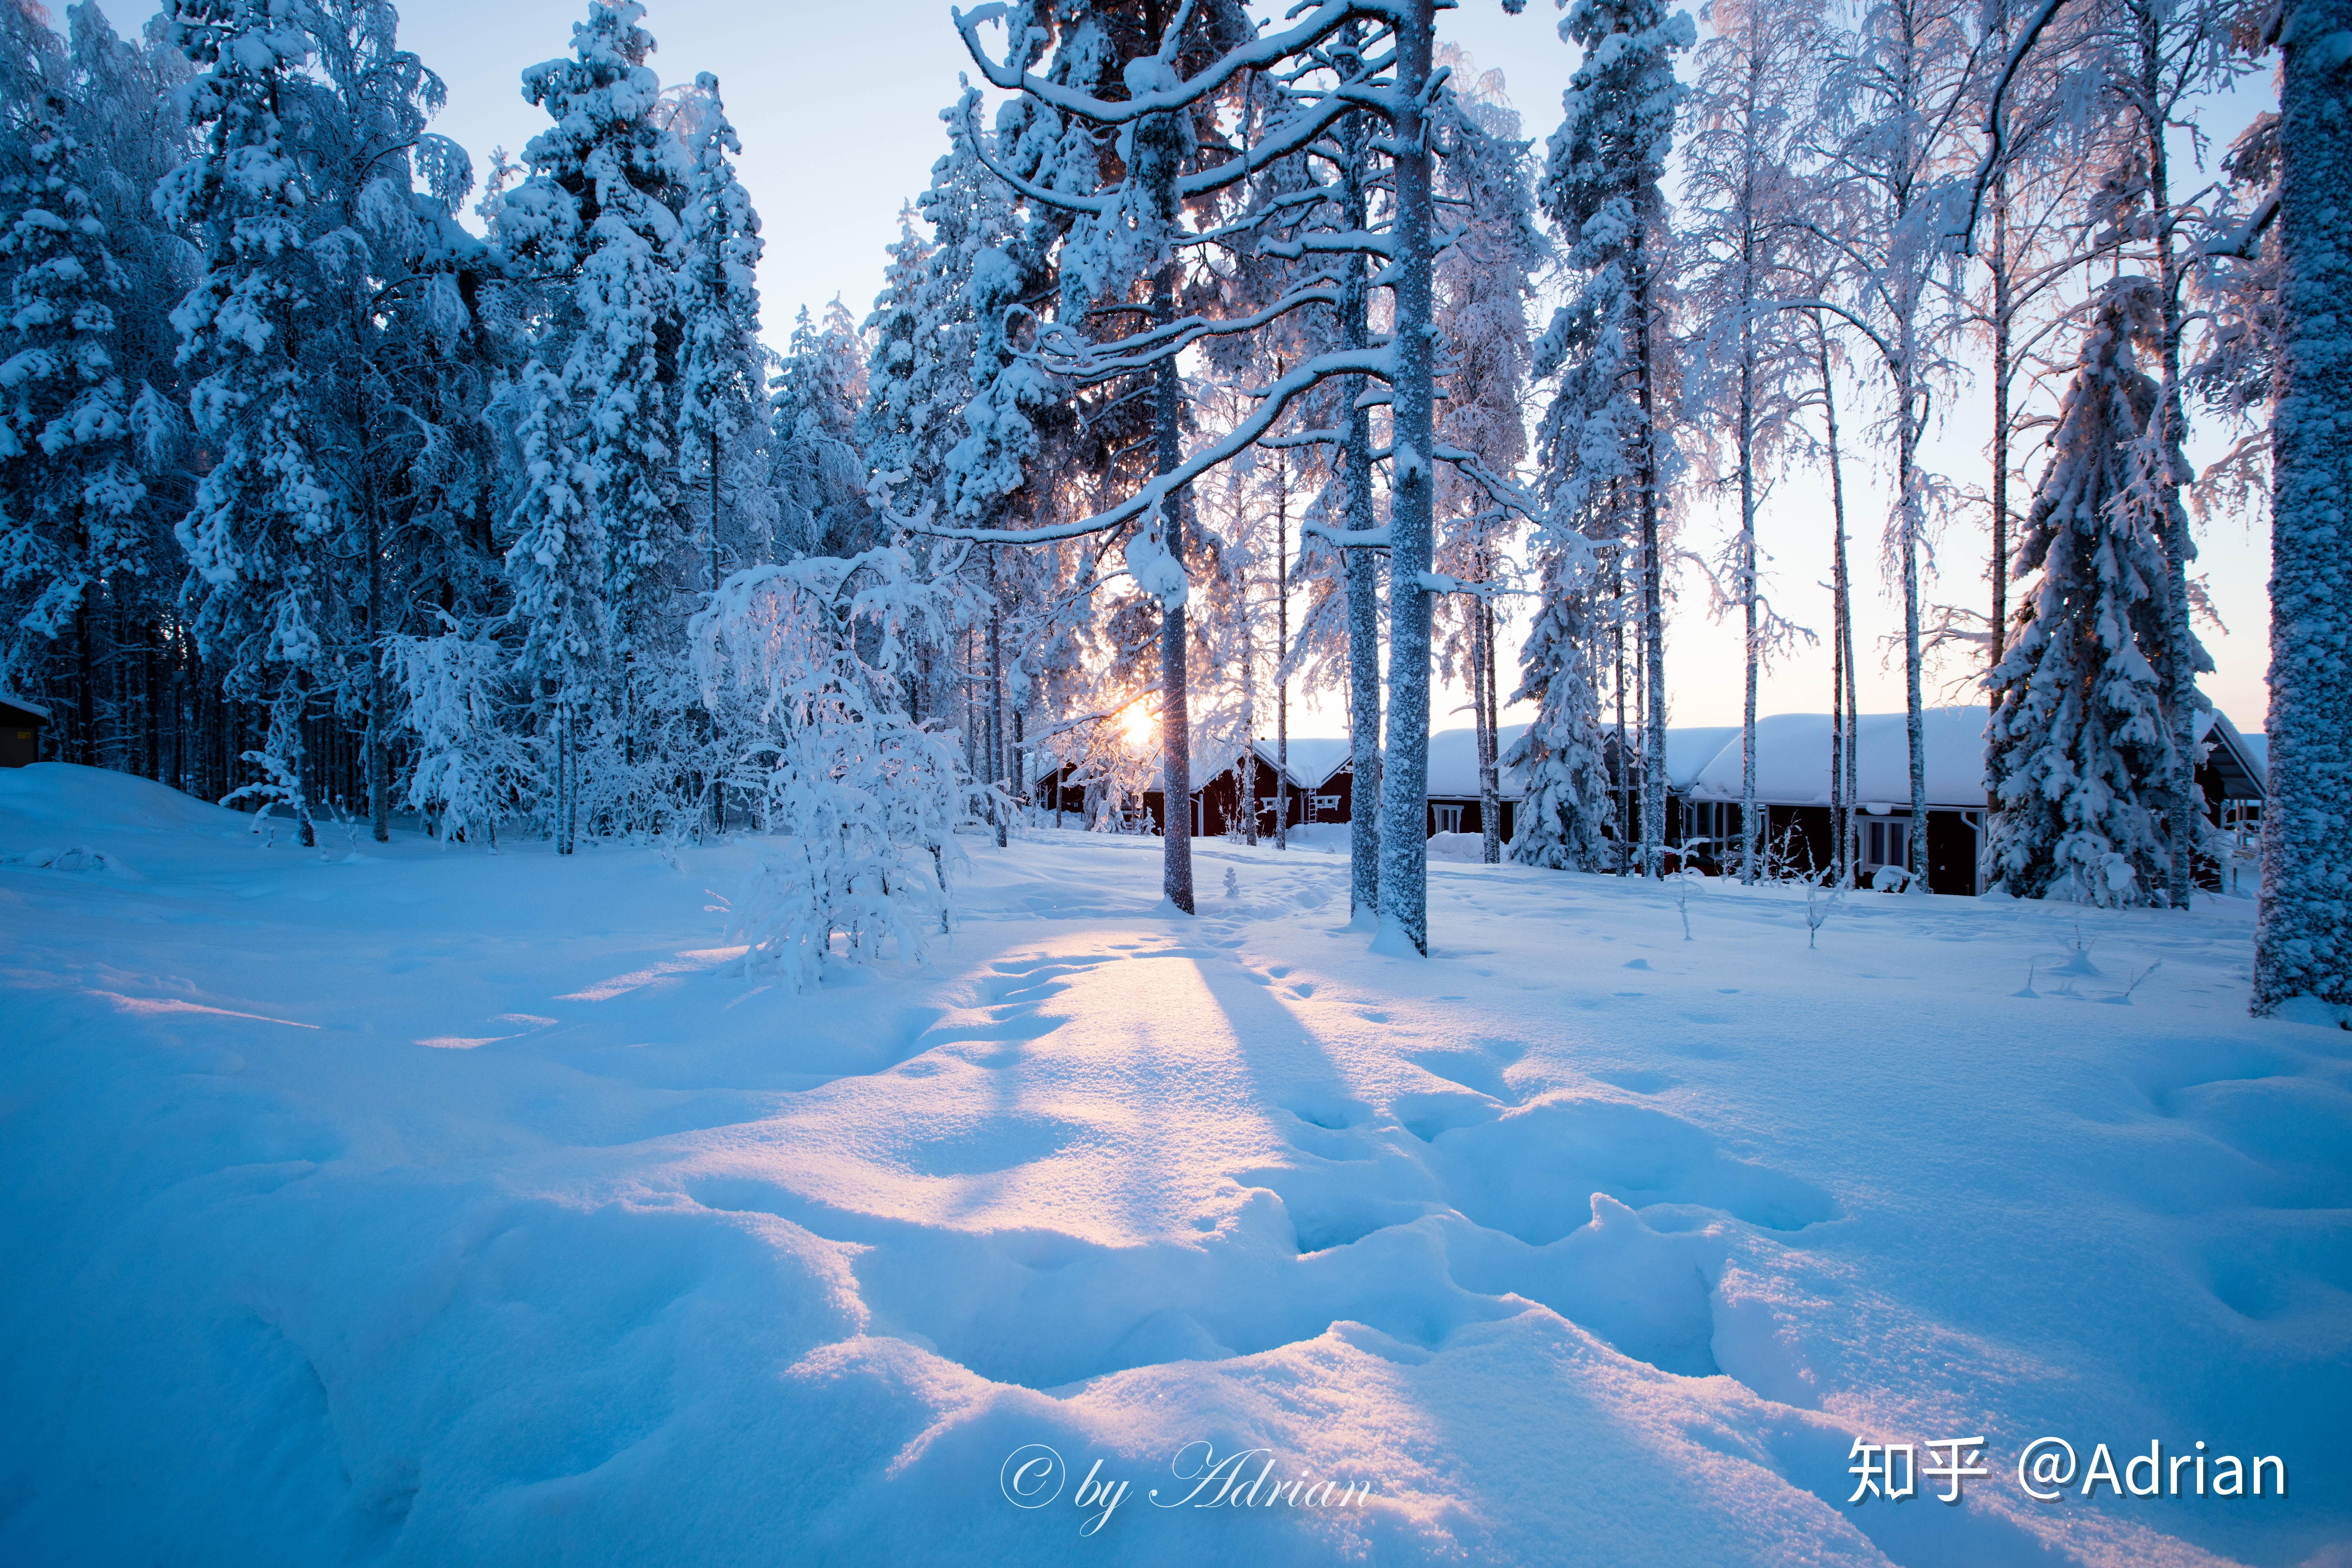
[[1449, 819], [1716, 821], [1886, 841]]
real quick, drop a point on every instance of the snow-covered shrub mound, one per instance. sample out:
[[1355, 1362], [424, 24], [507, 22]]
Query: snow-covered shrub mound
[[473, 766], [800, 670]]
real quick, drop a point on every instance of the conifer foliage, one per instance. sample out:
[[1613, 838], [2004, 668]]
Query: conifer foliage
[[2082, 740]]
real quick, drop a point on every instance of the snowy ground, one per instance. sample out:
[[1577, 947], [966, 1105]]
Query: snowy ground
[[380, 1204]]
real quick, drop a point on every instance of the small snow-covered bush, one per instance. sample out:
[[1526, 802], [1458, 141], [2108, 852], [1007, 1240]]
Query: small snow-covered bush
[[855, 800], [473, 766]]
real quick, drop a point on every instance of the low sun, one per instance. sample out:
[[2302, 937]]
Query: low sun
[[1138, 725]]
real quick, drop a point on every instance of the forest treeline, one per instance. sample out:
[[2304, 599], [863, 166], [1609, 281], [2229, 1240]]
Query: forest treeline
[[1222, 356]]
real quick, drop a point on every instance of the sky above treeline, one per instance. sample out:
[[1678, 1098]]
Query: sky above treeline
[[838, 109]]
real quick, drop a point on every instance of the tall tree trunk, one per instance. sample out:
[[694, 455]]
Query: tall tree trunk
[[1362, 565], [717, 731], [1907, 528], [2303, 937], [1482, 699], [1849, 847], [1175, 714], [996, 749], [297, 696], [1404, 780], [1281, 654], [2000, 375], [150, 635], [1653, 622], [85, 684], [1837, 741], [1748, 848], [379, 783], [1624, 779], [567, 767], [2182, 804], [1246, 763]]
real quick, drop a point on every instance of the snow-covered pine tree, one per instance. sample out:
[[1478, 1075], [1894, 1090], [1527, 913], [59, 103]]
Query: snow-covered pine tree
[[919, 371], [2151, 58], [599, 437], [1561, 755], [2031, 234], [887, 425], [819, 479], [2303, 941], [107, 677], [988, 477], [395, 329], [69, 490], [554, 570], [918, 377], [2081, 744], [262, 513], [1607, 425], [722, 366]]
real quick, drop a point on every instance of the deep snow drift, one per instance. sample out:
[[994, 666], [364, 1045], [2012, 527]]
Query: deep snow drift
[[379, 1203]]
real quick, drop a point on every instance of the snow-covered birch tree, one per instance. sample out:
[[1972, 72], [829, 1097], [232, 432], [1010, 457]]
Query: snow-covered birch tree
[[1741, 189], [1896, 96]]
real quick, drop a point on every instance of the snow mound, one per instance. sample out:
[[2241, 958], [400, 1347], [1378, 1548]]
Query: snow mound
[[53, 795]]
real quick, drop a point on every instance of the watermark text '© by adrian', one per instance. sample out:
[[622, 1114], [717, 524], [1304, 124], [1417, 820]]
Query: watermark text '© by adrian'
[[1033, 1476]]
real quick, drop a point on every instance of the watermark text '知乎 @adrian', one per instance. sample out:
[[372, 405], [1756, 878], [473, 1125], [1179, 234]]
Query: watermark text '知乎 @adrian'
[[2048, 1469], [1034, 1475]]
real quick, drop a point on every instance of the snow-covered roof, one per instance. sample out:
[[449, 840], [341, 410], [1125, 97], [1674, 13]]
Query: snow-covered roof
[[1792, 760], [1313, 758], [9, 699], [1691, 747], [2240, 762], [1454, 763]]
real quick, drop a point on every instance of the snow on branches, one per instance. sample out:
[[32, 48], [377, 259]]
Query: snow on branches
[[857, 801]]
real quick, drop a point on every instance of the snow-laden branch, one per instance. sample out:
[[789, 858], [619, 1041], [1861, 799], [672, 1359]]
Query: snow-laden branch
[[1379, 538], [1324, 18], [1440, 582], [1352, 242], [1274, 399], [1292, 135], [1996, 131], [2239, 241], [1855, 321], [1063, 200], [1063, 352], [1505, 493]]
